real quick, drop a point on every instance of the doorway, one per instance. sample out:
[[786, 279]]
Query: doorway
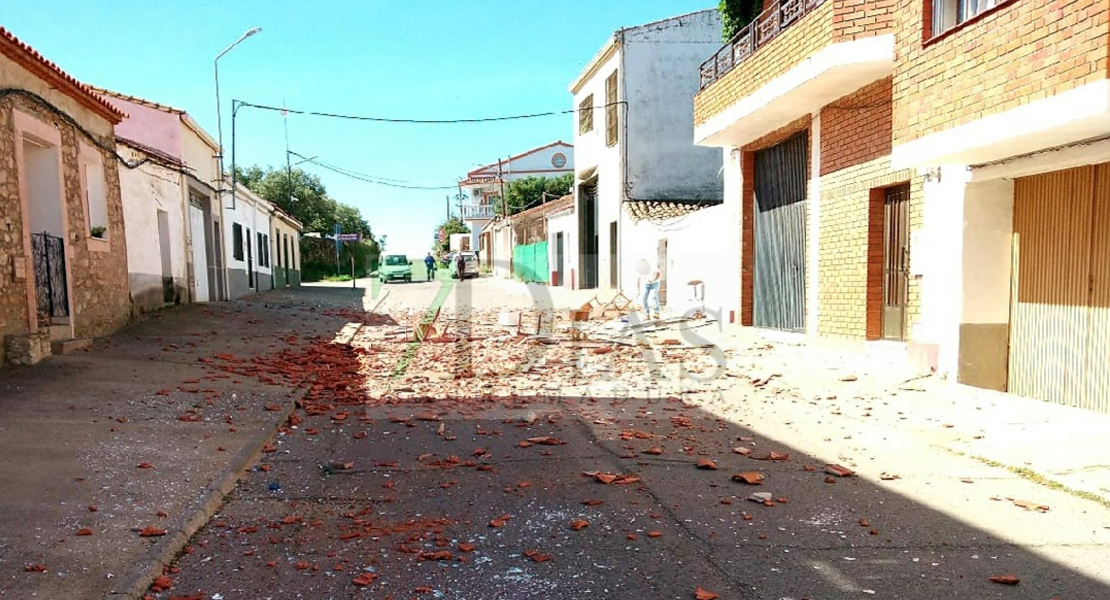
[[896, 225], [662, 265], [613, 270], [46, 227], [588, 236], [163, 219], [200, 255], [558, 259], [250, 259], [780, 235]]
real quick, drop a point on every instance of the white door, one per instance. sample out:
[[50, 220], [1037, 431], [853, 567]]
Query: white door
[[200, 261]]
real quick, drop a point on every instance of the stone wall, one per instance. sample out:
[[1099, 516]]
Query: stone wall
[[97, 269]]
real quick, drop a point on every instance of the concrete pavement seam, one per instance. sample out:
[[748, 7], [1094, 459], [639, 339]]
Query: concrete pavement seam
[[138, 579]]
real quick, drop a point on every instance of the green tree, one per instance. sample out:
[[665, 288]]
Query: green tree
[[452, 225], [736, 14], [528, 192], [305, 198]]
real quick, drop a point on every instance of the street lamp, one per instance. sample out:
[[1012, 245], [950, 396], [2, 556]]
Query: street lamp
[[219, 122]]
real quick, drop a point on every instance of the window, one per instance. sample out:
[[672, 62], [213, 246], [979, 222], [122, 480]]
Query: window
[[586, 115], [237, 241], [266, 245], [96, 196], [261, 250], [950, 13], [611, 109]]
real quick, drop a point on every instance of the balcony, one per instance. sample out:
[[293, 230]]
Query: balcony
[[796, 57], [766, 27], [477, 212]]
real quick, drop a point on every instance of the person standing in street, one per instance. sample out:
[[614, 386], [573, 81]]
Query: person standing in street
[[430, 266], [650, 278], [460, 266]]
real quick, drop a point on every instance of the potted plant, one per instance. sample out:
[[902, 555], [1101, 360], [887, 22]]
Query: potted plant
[[98, 231]]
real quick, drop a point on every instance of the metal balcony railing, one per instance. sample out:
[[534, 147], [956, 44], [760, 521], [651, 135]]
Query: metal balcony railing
[[473, 212], [778, 15]]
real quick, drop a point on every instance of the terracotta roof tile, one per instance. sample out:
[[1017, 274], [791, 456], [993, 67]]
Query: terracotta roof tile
[[41, 67]]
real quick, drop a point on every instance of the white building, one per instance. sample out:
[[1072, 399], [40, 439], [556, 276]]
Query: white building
[[482, 188], [169, 204], [247, 240], [644, 191]]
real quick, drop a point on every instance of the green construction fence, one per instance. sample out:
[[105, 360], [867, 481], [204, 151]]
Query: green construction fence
[[530, 263]]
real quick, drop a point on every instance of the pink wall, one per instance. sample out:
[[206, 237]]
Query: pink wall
[[149, 126]]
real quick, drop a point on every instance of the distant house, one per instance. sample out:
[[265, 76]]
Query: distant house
[[169, 205], [483, 187], [63, 274], [248, 243], [644, 193], [562, 228], [285, 237]]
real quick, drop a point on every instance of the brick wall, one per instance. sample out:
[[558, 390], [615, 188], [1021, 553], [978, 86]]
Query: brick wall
[[1020, 52], [854, 19], [849, 292], [856, 128]]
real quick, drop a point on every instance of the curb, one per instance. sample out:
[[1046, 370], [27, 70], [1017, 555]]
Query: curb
[[138, 579]]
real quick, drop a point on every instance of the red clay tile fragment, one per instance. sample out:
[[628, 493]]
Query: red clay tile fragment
[[707, 464], [151, 532], [84, 531], [593, 502], [654, 534], [703, 594], [742, 451], [778, 456], [1005, 579], [605, 478], [839, 471], [499, 521], [364, 580], [579, 524], [437, 555], [654, 451], [537, 556], [749, 477], [144, 465], [467, 547], [35, 568]]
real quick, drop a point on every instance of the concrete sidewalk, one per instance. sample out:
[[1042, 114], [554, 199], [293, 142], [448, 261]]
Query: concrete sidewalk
[[137, 433], [1057, 445]]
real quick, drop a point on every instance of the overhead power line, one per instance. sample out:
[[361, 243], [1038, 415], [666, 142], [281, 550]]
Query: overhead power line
[[375, 119], [369, 178]]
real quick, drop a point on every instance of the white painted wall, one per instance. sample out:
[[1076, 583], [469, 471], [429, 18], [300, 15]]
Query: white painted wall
[[937, 256], [592, 155], [253, 213], [655, 157], [145, 191], [567, 224], [987, 251], [661, 76]]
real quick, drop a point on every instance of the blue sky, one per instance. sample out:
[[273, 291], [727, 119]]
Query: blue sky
[[419, 59]]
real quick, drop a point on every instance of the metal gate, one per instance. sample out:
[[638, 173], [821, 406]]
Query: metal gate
[[780, 235], [896, 225], [1060, 301], [51, 291]]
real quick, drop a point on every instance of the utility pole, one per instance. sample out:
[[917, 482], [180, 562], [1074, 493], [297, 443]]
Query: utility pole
[[504, 201], [447, 197], [288, 164]]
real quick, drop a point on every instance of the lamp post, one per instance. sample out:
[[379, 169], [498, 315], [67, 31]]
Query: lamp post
[[219, 122]]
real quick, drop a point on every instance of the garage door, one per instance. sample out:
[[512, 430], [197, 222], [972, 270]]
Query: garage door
[[780, 235], [1060, 313]]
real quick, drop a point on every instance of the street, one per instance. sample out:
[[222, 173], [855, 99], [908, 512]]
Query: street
[[483, 463]]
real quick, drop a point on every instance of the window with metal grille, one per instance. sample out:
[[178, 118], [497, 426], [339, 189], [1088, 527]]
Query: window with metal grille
[[237, 241], [947, 14], [611, 109], [586, 115]]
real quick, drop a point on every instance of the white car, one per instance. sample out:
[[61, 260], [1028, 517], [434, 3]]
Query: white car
[[470, 268]]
